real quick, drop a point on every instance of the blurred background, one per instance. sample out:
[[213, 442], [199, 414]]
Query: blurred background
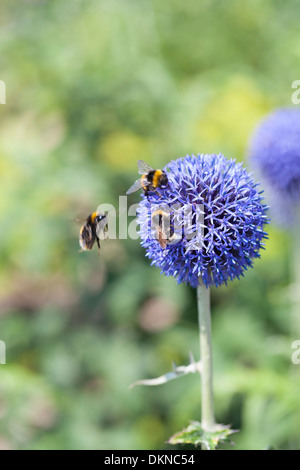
[[91, 87]]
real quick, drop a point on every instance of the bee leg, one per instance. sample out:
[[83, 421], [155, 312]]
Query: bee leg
[[98, 243], [156, 192]]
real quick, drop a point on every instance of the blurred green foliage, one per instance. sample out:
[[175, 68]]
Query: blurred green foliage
[[92, 86]]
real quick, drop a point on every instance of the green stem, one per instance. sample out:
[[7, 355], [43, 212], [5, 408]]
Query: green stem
[[207, 403]]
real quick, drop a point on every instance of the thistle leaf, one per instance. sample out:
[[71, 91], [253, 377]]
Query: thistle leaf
[[178, 371]]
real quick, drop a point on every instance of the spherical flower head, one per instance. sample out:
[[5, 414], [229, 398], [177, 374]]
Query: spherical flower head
[[216, 220], [274, 151]]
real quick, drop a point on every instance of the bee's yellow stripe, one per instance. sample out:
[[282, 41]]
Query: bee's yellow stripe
[[156, 177], [93, 216]]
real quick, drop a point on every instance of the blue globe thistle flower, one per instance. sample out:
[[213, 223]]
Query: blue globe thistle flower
[[216, 220], [274, 151]]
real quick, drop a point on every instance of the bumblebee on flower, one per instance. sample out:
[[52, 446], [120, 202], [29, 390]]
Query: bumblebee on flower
[[225, 229]]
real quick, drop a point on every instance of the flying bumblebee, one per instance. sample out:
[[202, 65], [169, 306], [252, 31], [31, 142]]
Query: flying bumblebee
[[151, 179], [90, 231], [164, 233]]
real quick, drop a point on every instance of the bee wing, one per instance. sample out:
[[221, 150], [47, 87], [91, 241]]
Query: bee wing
[[79, 220], [135, 187], [143, 167]]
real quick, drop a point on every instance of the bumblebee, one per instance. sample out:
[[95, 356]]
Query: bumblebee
[[89, 232], [151, 179], [164, 233]]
